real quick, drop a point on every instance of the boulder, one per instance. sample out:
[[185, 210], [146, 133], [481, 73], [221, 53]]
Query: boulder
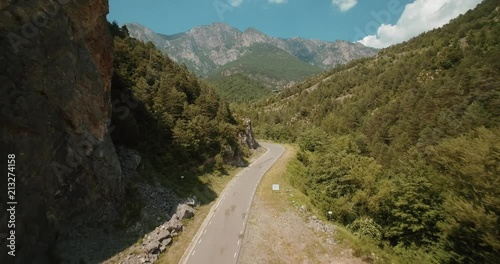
[[174, 224], [129, 159], [163, 235], [191, 201], [184, 211], [152, 246], [166, 242]]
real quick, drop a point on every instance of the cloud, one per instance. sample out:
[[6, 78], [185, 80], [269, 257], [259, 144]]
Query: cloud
[[235, 3], [418, 17], [277, 1], [344, 5]]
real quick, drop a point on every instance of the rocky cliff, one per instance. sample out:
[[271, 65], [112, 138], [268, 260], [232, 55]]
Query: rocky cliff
[[246, 137], [55, 74]]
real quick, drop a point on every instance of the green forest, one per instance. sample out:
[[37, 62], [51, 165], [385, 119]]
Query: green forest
[[256, 74], [271, 63], [240, 88], [404, 148], [177, 122]]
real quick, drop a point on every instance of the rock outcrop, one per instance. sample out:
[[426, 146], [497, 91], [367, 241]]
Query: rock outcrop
[[157, 241], [55, 79], [246, 137]]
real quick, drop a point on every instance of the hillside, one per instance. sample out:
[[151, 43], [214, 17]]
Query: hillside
[[180, 124], [239, 88], [204, 49], [404, 148], [270, 66]]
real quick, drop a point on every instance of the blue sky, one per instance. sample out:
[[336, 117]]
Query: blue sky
[[376, 23]]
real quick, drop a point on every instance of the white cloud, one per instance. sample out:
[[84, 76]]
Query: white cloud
[[277, 1], [235, 3], [418, 17], [344, 5]]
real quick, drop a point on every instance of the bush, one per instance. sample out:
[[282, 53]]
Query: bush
[[366, 227]]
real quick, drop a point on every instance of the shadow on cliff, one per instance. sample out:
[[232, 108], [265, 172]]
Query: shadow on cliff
[[134, 127]]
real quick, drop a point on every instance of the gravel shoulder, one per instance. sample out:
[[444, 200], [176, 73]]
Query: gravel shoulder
[[281, 230]]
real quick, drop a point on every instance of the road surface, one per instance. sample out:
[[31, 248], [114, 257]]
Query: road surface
[[218, 240]]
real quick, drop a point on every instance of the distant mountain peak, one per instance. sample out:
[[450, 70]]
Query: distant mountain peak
[[253, 30], [206, 48]]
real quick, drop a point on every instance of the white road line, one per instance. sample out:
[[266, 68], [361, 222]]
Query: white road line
[[194, 251], [204, 232], [209, 223], [235, 254], [241, 233], [238, 242], [199, 241], [243, 223]]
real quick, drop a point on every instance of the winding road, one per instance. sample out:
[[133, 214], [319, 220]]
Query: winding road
[[218, 241]]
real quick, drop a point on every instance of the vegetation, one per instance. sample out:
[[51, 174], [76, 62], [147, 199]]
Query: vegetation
[[404, 148], [178, 123], [269, 65], [241, 89]]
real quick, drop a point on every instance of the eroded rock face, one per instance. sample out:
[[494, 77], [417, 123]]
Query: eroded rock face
[[55, 80], [247, 138]]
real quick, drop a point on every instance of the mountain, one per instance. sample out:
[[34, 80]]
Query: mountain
[[270, 66], [404, 148], [204, 49]]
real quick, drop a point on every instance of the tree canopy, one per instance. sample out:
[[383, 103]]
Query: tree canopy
[[405, 147]]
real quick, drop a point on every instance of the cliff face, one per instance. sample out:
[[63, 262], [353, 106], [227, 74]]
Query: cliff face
[[246, 137], [55, 79]]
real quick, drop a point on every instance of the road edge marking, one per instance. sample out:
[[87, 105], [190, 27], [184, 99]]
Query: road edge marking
[[245, 226], [198, 234]]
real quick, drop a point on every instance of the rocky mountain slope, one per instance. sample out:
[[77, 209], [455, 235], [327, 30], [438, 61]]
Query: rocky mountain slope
[[204, 49]]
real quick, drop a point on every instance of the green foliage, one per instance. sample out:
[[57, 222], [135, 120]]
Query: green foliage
[[409, 139], [269, 65], [179, 124], [240, 88], [366, 227]]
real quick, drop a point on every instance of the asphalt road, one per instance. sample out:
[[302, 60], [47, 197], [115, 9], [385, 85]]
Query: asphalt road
[[218, 241]]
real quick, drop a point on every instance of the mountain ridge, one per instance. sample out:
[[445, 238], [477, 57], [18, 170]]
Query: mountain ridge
[[203, 49]]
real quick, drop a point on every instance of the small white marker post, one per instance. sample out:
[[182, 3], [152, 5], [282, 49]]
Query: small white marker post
[[276, 187]]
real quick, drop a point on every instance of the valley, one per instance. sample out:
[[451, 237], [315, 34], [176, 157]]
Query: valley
[[225, 144], [219, 52]]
